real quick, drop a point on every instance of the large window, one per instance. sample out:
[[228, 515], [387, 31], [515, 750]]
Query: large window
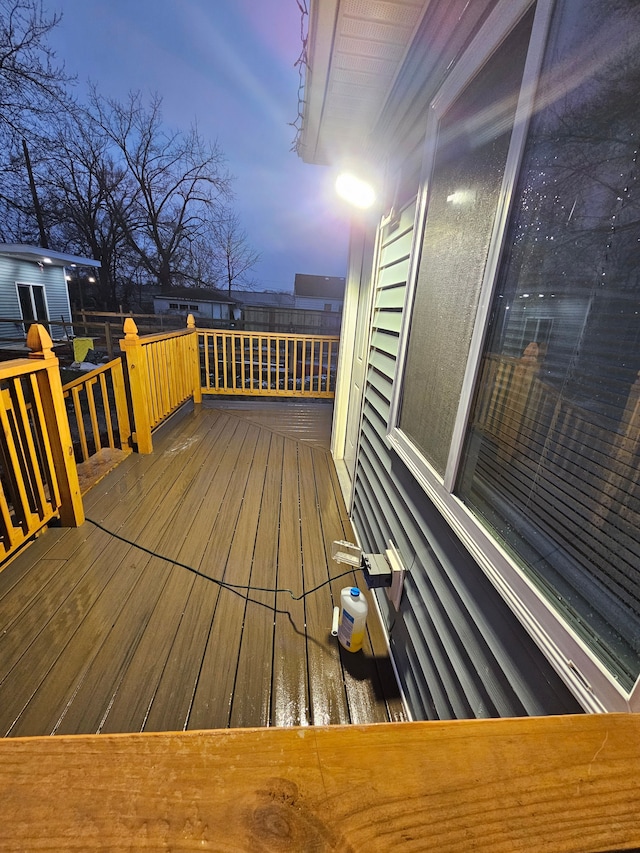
[[518, 405], [469, 143], [551, 461]]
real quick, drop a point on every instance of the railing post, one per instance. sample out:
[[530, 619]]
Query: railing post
[[136, 366], [517, 401], [195, 360], [622, 469], [55, 414], [108, 339]]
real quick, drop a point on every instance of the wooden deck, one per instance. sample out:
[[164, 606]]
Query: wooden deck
[[97, 635]]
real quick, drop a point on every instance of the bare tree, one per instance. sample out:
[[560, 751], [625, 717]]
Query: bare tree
[[31, 82], [87, 194], [32, 90], [178, 184], [235, 257]]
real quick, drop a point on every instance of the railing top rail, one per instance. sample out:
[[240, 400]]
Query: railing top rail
[[131, 332], [491, 784], [20, 367], [293, 336], [103, 368]]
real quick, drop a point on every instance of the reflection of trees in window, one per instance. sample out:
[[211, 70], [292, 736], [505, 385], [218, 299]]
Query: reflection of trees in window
[[576, 239], [553, 457]]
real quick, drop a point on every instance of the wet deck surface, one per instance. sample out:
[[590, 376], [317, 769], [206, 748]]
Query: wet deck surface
[[97, 635]]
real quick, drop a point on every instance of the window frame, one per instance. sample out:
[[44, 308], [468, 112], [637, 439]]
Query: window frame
[[592, 683], [30, 285]]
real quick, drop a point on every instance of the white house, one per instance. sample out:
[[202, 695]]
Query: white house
[[319, 292], [205, 303], [487, 416], [33, 287]]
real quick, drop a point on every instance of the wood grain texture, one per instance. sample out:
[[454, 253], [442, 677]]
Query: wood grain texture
[[533, 785]]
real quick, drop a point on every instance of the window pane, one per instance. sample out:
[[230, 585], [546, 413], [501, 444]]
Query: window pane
[[26, 305], [552, 459], [473, 141], [41, 305]]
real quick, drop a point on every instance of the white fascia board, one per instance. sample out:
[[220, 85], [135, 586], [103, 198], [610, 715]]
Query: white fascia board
[[323, 16], [48, 256]]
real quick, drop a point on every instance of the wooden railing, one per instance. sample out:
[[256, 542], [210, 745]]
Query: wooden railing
[[97, 410], [162, 372], [562, 784], [254, 364], [58, 441], [39, 476], [571, 473], [519, 411]]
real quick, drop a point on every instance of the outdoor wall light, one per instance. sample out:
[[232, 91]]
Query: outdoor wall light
[[354, 190]]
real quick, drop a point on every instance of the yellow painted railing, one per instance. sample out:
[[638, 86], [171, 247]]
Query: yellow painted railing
[[57, 441], [162, 373], [98, 412], [39, 475], [254, 363]]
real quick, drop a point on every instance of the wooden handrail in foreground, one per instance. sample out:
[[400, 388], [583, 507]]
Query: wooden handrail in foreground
[[530, 785]]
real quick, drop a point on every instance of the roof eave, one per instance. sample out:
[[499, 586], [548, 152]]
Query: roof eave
[[37, 255]]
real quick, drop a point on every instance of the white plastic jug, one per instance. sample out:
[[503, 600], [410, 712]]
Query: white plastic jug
[[353, 618]]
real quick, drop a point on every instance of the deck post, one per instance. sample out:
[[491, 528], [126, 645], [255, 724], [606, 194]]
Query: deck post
[[55, 413], [136, 371], [194, 357], [622, 470]]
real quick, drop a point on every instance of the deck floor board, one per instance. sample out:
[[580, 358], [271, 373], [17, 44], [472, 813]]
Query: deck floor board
[[97, 635]]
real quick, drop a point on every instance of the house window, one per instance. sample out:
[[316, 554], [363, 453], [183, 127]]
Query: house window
[[33, 304], [184, 307], [517, 404], [552, 458], [194, 308], [470, 140], [173, 306]]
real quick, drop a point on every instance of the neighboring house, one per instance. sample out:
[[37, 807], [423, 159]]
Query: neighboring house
[[33, 287], [487, 416], [319, 292], [293, 312], [204, 303]]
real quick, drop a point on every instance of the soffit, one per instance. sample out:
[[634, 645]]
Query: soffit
[[355, 50]]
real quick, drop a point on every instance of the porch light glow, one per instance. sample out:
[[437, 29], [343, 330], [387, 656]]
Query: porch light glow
[[357, 192]]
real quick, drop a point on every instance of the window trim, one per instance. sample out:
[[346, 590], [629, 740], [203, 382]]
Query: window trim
[[592, 683], [30, 284]]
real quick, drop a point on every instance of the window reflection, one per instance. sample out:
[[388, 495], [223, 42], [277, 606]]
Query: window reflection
[[552, 459]]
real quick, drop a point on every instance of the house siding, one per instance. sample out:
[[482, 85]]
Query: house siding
[[459, 650], [13, 271]]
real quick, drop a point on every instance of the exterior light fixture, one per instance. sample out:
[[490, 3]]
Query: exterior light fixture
[[47, 260], [354, 190]]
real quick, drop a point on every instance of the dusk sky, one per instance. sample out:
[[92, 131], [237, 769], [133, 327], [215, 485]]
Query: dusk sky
[[229, 66]]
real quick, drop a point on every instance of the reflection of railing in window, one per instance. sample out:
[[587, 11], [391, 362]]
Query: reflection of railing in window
[[573, 474]]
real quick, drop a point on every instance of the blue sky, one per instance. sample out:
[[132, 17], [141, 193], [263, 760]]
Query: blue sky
[[229, 66]]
